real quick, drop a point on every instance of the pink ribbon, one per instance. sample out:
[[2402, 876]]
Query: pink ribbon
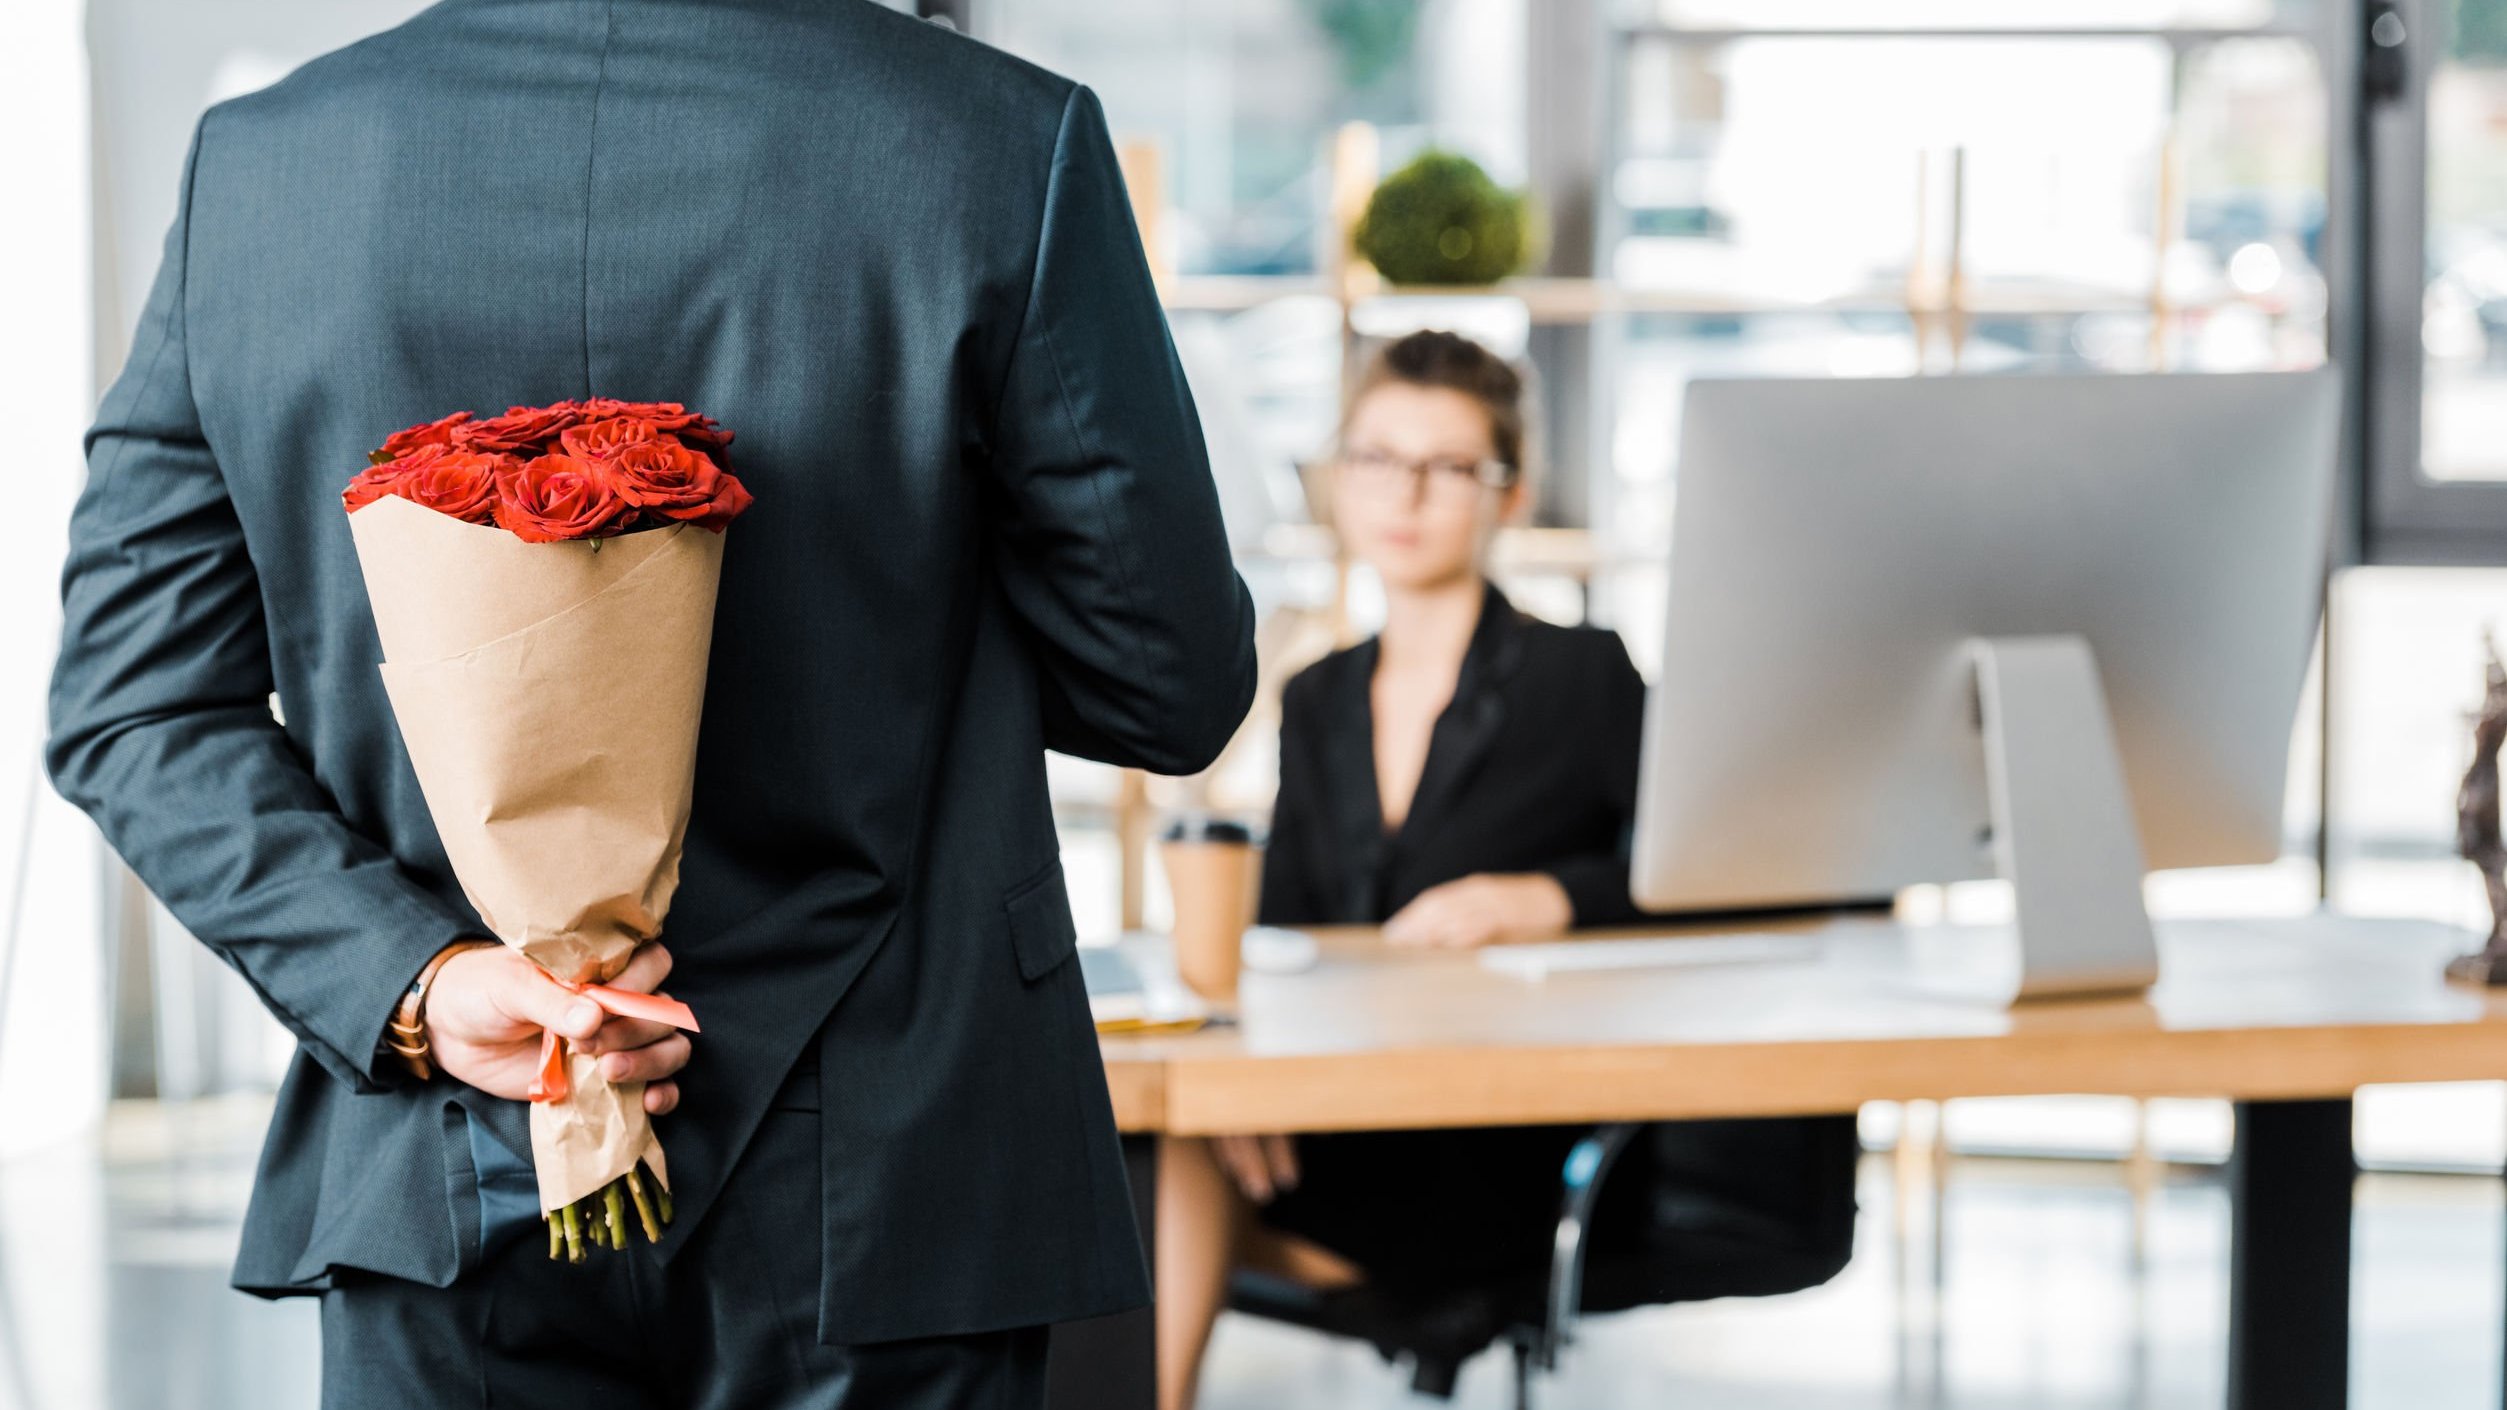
[[550, 1084]]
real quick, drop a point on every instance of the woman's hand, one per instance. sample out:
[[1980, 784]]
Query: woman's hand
[[488, 1005], [1486, 908], [1261, 1166]]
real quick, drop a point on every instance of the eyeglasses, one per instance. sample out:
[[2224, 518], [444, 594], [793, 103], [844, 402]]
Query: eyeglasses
[[1380, 470]]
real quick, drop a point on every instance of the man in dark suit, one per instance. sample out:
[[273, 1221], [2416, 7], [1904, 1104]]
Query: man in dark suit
[[901, 267]]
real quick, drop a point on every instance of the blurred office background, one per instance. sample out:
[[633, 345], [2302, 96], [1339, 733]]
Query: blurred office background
[[1840, 187]]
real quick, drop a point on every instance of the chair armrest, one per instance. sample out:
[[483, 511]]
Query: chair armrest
[[1587, 1165]]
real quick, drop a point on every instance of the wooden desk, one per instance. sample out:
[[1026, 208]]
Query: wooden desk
[[2287, 1017], [1374, 1038]]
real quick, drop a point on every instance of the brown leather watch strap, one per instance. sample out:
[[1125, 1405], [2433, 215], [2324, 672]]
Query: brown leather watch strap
[[406, 1034]]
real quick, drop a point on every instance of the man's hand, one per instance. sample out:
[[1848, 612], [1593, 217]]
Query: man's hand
[[1482, 909], [488, 1005]]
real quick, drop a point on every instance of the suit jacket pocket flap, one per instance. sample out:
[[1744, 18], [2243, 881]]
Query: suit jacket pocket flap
[[1041, 930]]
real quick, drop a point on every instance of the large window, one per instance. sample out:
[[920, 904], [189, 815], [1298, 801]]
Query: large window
[[1801, 188], [2436, 181], [1236, 104]]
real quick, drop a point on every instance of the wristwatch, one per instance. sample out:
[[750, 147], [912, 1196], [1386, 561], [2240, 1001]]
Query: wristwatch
[[406, 1034]]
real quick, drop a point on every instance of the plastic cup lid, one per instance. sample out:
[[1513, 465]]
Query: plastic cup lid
[[1204, 827]]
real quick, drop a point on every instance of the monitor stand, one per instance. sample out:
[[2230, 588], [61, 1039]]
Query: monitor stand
[[2063, 831]]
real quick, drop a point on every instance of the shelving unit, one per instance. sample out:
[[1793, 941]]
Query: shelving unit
[[1570, 301]]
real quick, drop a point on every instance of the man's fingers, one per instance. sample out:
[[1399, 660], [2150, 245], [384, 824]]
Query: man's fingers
[[647, 1063], [660, 1097], [531, 996], [646, 969], [544, 1003], [620, 1034]]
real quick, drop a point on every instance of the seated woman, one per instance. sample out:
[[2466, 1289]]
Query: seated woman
[[1467, 776]]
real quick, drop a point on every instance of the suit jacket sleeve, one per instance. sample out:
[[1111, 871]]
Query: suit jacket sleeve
[[161, 727], [1597, 883], [1112, 550]]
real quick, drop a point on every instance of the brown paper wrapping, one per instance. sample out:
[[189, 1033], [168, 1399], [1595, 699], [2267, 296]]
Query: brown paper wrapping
[[549, 694]]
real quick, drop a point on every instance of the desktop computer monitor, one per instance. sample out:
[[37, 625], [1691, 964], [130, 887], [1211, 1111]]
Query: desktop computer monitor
[[1939, 628]]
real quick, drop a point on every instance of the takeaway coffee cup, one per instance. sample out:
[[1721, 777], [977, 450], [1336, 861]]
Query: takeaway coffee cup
[[1211, 866]]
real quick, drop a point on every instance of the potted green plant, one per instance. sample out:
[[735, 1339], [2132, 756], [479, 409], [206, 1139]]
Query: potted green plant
[[1440, 219]]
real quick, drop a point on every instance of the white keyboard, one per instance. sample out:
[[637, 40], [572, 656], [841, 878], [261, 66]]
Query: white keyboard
[[1538, 961]]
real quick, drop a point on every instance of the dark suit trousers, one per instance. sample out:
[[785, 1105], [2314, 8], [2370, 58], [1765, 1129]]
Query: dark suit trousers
[[731, 1324]]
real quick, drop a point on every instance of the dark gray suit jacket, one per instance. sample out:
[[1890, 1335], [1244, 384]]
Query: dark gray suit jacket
[[901, 266]]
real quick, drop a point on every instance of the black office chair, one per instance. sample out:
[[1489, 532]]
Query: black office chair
[[1708, 1236]]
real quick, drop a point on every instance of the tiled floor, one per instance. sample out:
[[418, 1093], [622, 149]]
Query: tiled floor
[[114, 1298], [2038, 1308], [116, 1254]]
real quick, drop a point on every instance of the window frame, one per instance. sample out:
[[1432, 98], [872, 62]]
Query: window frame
[[2410, 520]]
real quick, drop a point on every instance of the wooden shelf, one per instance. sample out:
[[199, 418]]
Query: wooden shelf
[[1234, 293], [1569, 301]]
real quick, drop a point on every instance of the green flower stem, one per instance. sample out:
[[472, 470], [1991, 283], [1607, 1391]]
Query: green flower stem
[[600, 1218], [644, 1211]]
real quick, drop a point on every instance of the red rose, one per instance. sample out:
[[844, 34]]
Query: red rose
[[384, 476], [371, 484], [667, 417], [569, 470], [433, 433], [559, 497], [461, 483], [597, 440], [674, 481], [521, 428]]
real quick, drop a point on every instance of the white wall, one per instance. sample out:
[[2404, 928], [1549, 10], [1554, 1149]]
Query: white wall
[[51, 978], [153, 65]]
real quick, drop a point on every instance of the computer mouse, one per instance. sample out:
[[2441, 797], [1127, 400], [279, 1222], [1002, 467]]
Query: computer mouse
[[1272, 950]]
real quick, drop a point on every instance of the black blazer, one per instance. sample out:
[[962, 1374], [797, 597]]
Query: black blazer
[[901, 266], [1532, 766]]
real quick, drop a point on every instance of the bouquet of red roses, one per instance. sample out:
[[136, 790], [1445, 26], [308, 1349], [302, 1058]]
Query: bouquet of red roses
[[543, 586]]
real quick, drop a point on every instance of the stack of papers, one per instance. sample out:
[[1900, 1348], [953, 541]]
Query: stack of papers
[[1123, 1000]]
